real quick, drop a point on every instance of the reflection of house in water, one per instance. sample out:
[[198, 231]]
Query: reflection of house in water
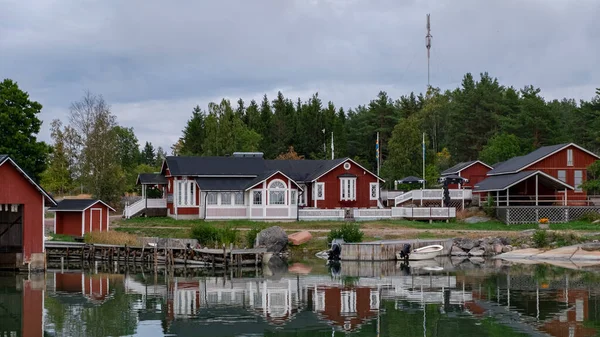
[[22, 306], [570, 321], [94, 288]]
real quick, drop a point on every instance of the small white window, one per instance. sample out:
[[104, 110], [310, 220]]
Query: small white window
[[302, 196], [374, 191], [570, 157], [578, 180], [239, 198], [293, 197], [211, 198], [320, 191], [347, 166], [225, 198], [257, 197], [562, 175], [347, 189]]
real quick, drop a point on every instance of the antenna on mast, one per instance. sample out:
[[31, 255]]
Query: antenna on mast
[[428, 46]]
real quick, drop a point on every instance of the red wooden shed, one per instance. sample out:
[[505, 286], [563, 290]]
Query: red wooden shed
[[79, 216], [22, 203]]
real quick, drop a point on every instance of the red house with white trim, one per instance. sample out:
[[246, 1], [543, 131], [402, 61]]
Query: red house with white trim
[[550, 175], [77, 217], [247, 186], [22, 203]]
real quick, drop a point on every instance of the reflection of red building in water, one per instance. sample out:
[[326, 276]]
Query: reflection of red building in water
[[94, 287], [347, 307], [570, 321], [22, 307]]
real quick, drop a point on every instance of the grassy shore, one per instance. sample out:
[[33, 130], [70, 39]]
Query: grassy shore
[[166, 223]]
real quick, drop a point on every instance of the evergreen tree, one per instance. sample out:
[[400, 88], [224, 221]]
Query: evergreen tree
[[148, 156], [193, 134]]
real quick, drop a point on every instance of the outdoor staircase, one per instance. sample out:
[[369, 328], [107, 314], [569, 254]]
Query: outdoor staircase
[[134, 209]]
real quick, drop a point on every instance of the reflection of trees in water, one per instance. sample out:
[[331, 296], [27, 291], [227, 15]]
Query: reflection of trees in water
[[114, 317]]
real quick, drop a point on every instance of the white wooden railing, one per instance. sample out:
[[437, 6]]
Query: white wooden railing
[[424, 212], [369, 213], [433, 194], [321, 214], [134, 208], [131, 209]]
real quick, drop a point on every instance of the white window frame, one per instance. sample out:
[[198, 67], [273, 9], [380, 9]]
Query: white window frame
[[316, 191], [564, 175], [186, 193], [376, 185], [569, 157], [208, 198], [254, 194], [230, 198], [302, 196], [283, 191], [348, 189], [293, 197], [238, 198], [576, 183]]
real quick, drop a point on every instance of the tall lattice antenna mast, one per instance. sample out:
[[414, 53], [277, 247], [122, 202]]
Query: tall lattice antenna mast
[[428, 46]]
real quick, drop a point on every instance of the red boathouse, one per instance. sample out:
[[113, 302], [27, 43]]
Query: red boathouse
[[22, 203], [77, 217]]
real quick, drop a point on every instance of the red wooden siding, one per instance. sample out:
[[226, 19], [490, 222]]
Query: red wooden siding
[[33, 310], [558, 161], [475, 173], [181, 210], [17, 189], [332, 188], [68, 223]]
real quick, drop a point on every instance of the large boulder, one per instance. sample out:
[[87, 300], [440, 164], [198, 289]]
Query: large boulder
[[456, 251], [467, 244], [273, 238], [477, 252]]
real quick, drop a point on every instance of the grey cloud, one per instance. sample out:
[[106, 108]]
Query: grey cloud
[[153, 57]]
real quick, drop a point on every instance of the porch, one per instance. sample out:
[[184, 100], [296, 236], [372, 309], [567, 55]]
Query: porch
[[458, 197]]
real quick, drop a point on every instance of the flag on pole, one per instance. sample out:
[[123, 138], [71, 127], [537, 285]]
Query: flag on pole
[[377, 148], [423, 160]]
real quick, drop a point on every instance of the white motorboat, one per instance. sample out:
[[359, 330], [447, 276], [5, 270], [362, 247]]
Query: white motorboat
[[423, 253]]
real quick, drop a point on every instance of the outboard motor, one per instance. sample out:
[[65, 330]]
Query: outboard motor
[[405, 252], [336, 249]]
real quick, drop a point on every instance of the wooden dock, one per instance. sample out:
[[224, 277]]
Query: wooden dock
[[386, 250], [66, 252]]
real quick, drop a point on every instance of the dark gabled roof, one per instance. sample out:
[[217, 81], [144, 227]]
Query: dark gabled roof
[[4, 158], [303, 170], [268, 175], [223, 184], [461, 166], [151, 179], [76, 205], [516, 164], [504, 181], [215, 166]]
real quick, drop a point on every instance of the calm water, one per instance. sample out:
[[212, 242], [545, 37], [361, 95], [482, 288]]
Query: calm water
[[307, 299]]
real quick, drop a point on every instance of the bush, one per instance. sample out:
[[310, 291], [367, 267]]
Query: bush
[[540, 238], [208, 235], [590, 217], [490, 207], [252, 234], [350, 232]]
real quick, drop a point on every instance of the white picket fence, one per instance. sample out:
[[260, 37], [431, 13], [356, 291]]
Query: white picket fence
[[321, 214]]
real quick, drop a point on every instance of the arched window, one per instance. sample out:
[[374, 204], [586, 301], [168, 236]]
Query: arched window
[[277, 191]]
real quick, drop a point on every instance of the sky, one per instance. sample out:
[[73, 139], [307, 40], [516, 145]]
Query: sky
[[153, 61]]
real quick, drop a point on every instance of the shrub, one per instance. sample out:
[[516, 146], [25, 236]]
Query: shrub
[[489, 207], [540, 238], [252, 234], [350, 232], [208, 235], [590, 217]]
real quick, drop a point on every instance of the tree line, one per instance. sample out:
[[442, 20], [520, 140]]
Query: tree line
[[480, 119]]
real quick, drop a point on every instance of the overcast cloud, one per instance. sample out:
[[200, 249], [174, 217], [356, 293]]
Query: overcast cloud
[[155, 60]]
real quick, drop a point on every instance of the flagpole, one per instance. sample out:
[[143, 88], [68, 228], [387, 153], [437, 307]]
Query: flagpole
[[332, 156], [423, 160], [378, 156]]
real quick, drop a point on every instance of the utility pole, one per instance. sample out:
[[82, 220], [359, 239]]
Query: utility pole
[[428, 46]]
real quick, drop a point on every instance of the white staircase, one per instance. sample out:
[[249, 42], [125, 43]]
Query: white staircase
[[133, 209]]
